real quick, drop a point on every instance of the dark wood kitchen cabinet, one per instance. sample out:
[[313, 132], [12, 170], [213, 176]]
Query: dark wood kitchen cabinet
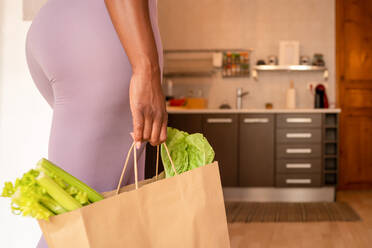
[[299, 150], [256, 150], [191, 123], [221, 130], [266, 149], [306, 150]]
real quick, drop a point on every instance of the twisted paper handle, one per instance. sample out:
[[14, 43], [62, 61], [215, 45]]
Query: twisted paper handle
[[135, 165]]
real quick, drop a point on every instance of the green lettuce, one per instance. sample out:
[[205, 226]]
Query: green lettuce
[[188, 151]]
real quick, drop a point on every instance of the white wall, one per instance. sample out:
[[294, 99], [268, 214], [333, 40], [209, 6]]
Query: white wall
[[256, 24], [24, 122]]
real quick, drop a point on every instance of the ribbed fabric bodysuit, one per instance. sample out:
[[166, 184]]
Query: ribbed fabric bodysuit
[[80, 67]]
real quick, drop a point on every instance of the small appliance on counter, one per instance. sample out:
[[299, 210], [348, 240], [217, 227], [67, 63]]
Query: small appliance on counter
[[320, 97]]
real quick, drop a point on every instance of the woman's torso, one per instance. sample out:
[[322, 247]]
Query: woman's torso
[[65, 29]]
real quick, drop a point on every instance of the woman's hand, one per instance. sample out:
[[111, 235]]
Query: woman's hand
[[147, 104]]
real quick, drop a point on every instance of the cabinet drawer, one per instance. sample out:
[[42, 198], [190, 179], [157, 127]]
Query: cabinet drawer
[[299, 151], [298, 166], [299, 135], [298, 180], [298, 120]]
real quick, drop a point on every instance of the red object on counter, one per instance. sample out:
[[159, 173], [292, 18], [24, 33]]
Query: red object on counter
[[177, 102]]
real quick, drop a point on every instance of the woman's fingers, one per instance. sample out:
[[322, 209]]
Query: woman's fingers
[[159, 127], [156, 126], [147, 127], [150, 128], [163, 131], [138, 125]]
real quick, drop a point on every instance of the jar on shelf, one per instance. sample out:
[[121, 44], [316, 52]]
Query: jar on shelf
[[229, 59]]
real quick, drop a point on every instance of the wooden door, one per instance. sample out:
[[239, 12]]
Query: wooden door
[[221, 130], [354, 91]]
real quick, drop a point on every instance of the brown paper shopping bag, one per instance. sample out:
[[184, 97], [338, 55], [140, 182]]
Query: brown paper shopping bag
[[186, 210]]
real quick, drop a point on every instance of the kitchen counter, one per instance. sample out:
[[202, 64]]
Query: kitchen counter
[[253, 111]]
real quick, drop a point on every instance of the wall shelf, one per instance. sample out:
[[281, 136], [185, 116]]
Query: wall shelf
[[196, 62], [167, 51], [289, 68], [189, 74]]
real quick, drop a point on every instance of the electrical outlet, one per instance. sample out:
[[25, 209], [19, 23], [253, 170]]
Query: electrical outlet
[[310, 86]]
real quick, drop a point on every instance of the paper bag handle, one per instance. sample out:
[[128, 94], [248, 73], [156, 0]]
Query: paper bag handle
[[135, 165]]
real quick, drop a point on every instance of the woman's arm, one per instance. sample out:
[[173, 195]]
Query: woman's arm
[[131, 20]]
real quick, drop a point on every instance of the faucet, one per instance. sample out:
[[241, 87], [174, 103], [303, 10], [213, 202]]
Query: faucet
[[239, 96]]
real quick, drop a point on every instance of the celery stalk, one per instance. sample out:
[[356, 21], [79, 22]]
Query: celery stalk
[[57, 193], [50, 169], [28, 206], [52, 205]]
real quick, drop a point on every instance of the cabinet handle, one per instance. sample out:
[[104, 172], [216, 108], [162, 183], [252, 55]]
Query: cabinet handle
[[256, 120], [219, 120], [299, 120], [298, 166], [298, 181], [298, 135], [298, 150]]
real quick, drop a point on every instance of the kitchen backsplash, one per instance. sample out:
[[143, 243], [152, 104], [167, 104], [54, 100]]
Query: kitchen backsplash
[[260, 25], [271, 87]]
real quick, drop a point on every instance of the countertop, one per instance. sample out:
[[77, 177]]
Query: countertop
[[248, 111]]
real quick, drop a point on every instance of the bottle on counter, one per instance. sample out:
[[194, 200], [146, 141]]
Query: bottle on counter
[[291, 97], [168, 89]]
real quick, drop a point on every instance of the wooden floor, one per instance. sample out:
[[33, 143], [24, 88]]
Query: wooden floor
[[310, 235]]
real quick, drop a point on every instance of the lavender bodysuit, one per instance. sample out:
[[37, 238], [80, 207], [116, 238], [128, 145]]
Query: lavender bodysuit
[[80, 67]]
